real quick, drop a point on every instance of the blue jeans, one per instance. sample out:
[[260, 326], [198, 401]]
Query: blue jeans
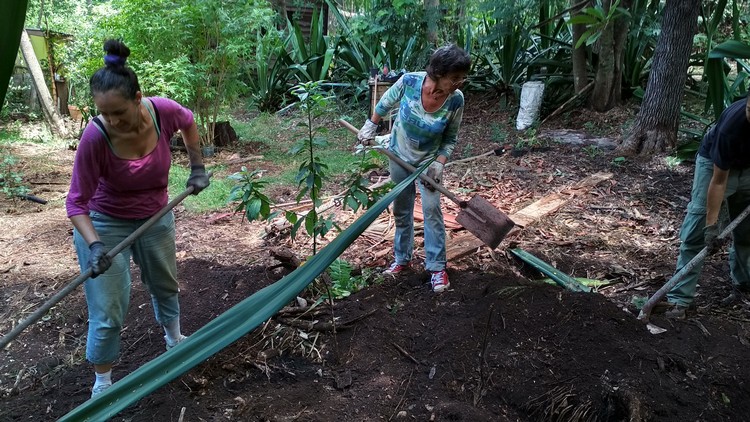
[[108, 295], [737, 197], [434, 227]]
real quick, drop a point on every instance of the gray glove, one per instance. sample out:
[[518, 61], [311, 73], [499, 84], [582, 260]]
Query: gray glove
[[435, 171], [198, 178], [366, 135], [99, 262], [711, 238]]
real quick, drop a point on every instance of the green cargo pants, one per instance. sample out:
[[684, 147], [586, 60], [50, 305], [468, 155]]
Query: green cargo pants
[[737, 197]]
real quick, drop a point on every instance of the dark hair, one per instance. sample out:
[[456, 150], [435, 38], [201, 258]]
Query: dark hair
[[115, 74], [448, 59]]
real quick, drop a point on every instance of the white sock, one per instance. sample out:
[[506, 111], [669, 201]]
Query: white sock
[[172, 330], [104, 378]]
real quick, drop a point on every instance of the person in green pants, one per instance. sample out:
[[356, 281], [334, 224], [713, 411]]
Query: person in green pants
[[722, 173]]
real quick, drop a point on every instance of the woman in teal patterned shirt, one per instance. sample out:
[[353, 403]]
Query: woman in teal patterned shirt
[[430, 108]]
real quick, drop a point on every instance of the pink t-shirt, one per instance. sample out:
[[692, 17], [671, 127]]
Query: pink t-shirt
[[125, 188]]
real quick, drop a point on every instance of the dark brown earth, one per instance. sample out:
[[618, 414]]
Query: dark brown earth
[[499, 345]]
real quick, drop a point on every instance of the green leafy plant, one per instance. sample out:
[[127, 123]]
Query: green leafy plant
[[502, 56], [249, 192], [499, 134], [641, 42], [358, 193], [343, 282], [312, 57], [393, 31], [312, 171], [530, 139], [722, 89], [11, 181], [592, 151], [208, 69], [591, 127], [618, 161], [596, 20], [269, 77]]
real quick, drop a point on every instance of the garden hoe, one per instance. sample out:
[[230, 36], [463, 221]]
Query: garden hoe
[[477, 215], [39, 313], [659, 295]]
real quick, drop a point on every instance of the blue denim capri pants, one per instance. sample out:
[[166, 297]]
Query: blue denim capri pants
[[434, 226], [108, 295]]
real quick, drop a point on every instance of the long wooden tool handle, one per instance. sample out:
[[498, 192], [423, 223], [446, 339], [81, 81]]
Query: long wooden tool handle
[[42, 310], [438, 187], [659, 295]]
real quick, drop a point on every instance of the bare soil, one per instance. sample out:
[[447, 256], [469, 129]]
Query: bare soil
[[499, 345]]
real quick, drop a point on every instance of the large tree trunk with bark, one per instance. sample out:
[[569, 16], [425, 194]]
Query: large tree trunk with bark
[[50, 112], [608, 80], [655, 127]]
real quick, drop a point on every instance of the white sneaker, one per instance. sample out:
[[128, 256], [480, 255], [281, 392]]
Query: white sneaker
[[99, 389], [173, 344]]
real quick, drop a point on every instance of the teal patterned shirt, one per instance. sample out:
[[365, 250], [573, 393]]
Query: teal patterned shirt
[[417, 135]]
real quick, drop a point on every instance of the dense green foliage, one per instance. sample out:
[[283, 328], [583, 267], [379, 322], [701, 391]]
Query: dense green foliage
[[216, 56]]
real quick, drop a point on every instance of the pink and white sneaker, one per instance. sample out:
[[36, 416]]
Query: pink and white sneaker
[[396, 268], [439, 281]]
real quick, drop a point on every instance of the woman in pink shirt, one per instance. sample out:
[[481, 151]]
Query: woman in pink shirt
[[119, 181]]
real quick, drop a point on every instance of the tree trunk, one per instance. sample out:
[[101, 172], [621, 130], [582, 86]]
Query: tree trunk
[[432, 16], [655, 128], [50, 113], [608, 80], [601, 97], [580, 72]]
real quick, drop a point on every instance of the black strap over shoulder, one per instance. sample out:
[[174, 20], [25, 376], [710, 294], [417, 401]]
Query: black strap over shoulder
[[100, 125]]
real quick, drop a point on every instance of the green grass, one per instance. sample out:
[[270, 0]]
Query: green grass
[[278, 134], [212, 198], [9, 136]]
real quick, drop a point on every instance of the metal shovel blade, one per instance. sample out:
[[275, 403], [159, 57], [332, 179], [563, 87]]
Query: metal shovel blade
[[483, 220]]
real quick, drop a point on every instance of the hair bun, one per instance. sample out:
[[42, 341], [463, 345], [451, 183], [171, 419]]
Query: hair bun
[[114, 60], [117, 53]]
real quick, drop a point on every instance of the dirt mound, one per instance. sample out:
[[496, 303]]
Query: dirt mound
[[494, 347]]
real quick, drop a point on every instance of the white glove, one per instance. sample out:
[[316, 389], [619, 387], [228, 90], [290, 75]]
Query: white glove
[[435, 171], [367, 133]]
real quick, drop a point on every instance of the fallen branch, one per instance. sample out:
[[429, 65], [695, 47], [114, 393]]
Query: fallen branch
[[567, 103], [496, 151], [405, 353], [401, 401], [244, 160]]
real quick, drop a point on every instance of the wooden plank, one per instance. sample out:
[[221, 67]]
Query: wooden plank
[[545, 206]]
